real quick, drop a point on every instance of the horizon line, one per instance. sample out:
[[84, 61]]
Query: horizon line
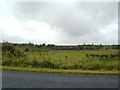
[[59, 44]]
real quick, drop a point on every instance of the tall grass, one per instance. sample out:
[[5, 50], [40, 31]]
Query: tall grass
[[76, 59]]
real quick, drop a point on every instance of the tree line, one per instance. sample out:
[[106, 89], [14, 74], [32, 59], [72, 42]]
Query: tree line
[[7, 46]]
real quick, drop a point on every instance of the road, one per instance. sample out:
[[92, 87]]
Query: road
[[19, 79]]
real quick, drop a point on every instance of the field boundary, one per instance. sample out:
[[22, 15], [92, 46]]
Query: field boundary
[[47, 70]]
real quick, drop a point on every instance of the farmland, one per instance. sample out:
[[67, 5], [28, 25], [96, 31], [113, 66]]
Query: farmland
[[92, 60]]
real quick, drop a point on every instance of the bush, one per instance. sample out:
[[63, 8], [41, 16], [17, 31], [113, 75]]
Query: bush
[[6, 62], [35, 63], [9, 50], [7, 47], [47, 64], [75, 66], [26, 50]]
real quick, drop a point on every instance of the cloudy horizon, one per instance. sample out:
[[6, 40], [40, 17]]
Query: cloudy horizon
[[59, 23]]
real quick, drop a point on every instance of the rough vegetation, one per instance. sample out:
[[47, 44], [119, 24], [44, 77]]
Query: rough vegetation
[[46, 56]]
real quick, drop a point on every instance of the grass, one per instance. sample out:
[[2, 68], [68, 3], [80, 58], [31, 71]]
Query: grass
[[64, 61], [31, 69]]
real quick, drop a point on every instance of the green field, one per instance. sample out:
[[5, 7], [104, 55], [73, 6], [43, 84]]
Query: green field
[[65, 59], [44, 58]]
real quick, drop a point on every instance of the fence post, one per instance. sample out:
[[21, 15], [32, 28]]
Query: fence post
[[65, 57]]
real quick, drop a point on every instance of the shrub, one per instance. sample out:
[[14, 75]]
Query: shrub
[[18, 54], [6, 62], [47, 64], [9, 50], [75, 66], [35, 63], [7, 47], [26, 50]]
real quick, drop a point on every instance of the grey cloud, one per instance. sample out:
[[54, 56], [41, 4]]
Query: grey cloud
[[80, 22], [119, 22]]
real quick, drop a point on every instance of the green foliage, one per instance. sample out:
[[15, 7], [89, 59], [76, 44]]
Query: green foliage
[[10, 51], [26, 50], [6, 62], [51, 47], [86, 65], [7, 48], [43, 64], [47, 64], [45, 57]]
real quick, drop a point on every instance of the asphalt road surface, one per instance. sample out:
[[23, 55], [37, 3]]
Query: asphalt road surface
[[19, 79]]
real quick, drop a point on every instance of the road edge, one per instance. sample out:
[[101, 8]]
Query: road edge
[[47, 70]]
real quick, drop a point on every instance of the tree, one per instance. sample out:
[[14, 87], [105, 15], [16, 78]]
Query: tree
[[26, 50], [43, 44]]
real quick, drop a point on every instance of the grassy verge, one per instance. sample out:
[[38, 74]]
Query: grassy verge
[[31, 69]]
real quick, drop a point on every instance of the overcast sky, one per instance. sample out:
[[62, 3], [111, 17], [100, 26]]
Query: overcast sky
[[59, 22]]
